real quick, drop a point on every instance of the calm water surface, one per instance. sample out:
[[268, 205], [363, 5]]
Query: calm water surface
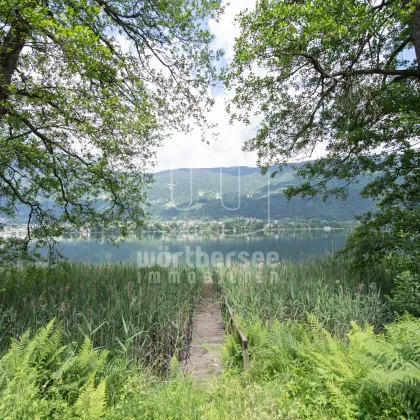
[[293, 245]]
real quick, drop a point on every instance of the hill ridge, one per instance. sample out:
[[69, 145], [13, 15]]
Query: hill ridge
[[241, 191]]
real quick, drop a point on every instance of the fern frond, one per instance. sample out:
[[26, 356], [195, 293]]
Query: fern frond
[[91, 402], [97, 403]]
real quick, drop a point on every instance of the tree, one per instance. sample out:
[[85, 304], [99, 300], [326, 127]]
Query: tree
[[87, 90], [336, 73]]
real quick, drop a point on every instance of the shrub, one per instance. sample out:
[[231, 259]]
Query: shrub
[[406, 293]]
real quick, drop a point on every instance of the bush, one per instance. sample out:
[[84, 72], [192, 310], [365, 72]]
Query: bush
[[406, 293]]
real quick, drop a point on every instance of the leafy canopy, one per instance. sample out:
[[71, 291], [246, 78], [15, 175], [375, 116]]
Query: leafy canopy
[[87, 90], [334, 75]]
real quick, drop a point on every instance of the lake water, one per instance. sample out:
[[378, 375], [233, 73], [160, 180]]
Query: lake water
[[292, 245]]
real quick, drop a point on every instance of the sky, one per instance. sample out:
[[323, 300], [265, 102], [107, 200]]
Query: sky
[[188, 151]]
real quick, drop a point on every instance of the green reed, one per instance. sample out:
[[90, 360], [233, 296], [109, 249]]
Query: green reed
[[325, 287], [144, 313]]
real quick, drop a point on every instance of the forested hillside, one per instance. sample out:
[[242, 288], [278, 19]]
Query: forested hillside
[[215, 193], [243, 191]]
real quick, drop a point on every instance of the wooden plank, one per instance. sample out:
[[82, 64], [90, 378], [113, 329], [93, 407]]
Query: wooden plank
[[208, 334]]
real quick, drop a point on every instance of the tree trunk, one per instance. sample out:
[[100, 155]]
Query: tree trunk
[[10, 51], [416, 32]]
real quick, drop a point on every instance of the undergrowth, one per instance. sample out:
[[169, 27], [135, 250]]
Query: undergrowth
[[298, 370], [366, 376], [315, 350]]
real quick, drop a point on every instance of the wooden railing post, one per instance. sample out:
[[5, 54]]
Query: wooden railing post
[[245, 354], [244, 340]]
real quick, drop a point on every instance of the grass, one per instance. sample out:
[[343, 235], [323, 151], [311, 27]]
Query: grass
[[301, 372], [119, 307], [116, 329], [325, 287]]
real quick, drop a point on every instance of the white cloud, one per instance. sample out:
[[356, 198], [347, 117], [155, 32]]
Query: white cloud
[[226, 30], [188, 151]]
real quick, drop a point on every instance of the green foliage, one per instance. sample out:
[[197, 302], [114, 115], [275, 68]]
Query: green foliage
[[366, 376], [302, 365], [406, 293], [92, 401], [326, 287], [141, 313], [331, 75], [298, 370], [41, 378], [335, 74], [87, 91], [391, 238]]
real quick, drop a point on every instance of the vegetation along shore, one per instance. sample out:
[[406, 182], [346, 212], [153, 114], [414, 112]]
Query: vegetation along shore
[[210, 209], [111, 340]]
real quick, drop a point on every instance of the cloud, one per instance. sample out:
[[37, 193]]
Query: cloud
[[225, 31], [188, 151]]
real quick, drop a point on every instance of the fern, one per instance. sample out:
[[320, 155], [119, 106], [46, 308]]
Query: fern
[[303, 370], [40, 376], [91, 403], [344, 406], [368, 375]]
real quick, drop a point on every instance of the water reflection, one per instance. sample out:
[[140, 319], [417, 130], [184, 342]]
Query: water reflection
[[288, 244]]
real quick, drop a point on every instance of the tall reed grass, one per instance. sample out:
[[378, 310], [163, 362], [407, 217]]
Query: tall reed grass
[[143, 313], [325, 287]]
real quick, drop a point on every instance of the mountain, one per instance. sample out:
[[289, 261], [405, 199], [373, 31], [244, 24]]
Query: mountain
[[215, 193]]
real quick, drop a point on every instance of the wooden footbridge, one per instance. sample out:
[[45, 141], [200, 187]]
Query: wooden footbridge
[[208, 335]]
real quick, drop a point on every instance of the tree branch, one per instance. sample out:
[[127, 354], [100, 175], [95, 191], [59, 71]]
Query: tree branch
[[398, 50], [379, 71]]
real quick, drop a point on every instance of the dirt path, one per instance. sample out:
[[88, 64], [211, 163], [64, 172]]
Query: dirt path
[[207, 337]]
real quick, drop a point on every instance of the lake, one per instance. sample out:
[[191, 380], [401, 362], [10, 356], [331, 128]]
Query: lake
[[199, 248]]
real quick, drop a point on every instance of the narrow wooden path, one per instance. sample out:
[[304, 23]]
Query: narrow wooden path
[[207, 336]]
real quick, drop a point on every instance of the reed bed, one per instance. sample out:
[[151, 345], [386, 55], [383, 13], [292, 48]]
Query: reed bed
[[143, 313], [325, 287]]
